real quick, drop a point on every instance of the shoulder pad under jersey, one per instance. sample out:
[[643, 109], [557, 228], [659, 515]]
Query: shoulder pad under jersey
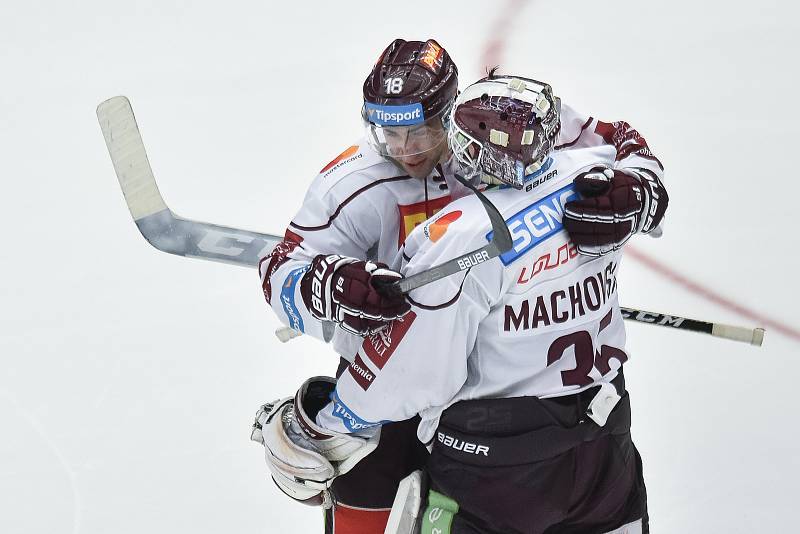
[[350, 175], [573, 124]]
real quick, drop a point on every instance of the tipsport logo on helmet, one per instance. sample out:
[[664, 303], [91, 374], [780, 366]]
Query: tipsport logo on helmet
[[395, 115]]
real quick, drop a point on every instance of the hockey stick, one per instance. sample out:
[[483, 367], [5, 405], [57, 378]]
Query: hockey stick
[[196, 239], [753, 336], [500, 243], [157, 223]]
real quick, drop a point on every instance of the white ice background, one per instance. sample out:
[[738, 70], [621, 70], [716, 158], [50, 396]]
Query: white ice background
[[129, 378]]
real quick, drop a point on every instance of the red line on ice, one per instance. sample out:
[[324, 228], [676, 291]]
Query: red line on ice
[[492, 56]]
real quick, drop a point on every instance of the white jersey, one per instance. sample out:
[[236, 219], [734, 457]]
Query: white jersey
[[359, 205], [540, 320]]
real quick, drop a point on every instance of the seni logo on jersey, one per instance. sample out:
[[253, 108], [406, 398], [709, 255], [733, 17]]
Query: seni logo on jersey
[[394, 115], [287, 298], [536, 223]]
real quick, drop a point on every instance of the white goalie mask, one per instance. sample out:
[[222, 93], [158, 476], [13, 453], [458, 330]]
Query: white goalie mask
[[503, 128]]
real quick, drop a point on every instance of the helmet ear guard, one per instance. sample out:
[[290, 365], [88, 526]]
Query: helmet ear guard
[[503, 128]]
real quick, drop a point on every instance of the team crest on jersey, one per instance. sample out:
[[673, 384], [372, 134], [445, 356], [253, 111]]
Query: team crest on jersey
[[435, 229], [412, 215], [351, 154], [536, 223], [380, 346]]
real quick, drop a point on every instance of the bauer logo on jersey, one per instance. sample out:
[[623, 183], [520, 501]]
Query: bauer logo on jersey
[[395, 115], [536, 223]]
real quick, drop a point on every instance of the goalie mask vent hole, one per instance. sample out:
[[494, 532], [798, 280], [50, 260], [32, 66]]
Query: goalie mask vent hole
[[482, 125]]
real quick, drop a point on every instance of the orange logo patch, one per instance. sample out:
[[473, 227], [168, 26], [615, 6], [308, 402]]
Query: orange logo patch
[[412, 215], [438, 228], [431, 57], [344, 155]]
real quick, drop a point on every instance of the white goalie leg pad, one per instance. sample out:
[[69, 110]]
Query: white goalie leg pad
[[631, 528], [407, 505]]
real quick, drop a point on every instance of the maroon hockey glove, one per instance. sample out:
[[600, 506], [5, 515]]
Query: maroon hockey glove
[[343, 290], [615, 205]]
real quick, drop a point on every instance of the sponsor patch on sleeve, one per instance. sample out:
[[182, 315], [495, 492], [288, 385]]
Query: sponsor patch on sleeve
[[349, 155], [380, 346], [350, 420], [287, 298], [361, 373]]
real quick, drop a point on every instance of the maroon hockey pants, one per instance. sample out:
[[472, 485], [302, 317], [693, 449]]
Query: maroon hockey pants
[[544, 472]]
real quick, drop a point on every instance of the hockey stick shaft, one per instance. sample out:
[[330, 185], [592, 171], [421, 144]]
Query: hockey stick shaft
[[753, 336], [157, 223], [500, 243]]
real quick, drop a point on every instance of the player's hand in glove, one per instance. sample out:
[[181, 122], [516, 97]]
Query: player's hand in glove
[[303, 457], [344, 290], [614, 205]]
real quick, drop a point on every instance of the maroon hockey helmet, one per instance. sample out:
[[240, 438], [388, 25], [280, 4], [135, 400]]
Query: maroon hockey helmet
[[410, 90], [503, 128]]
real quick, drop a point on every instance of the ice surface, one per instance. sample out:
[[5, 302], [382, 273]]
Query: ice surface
[[129, 377]]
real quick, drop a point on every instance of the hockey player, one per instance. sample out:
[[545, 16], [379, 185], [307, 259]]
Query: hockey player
[[515, 364], [361, 206]]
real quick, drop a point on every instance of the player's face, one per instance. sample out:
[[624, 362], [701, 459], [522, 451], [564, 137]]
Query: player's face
[[417, 149]]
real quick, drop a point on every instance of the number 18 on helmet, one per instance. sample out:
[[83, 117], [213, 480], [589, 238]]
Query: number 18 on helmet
[[407, 97]]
